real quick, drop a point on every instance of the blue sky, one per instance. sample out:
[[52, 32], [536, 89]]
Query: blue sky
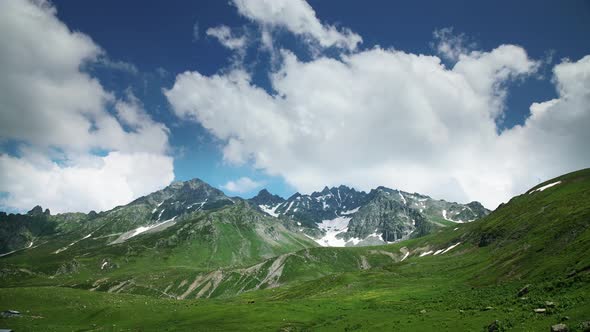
[[160, 35], [148, 44]]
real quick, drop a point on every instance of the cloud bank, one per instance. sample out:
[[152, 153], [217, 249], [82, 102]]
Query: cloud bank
[[387, 117], [80, 148]]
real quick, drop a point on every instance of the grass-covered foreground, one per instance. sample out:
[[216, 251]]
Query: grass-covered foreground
[[433, 294]]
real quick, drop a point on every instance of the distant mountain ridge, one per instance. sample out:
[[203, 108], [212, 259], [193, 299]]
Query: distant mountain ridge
[[347, 217], [183, 197], [194, 211], [337, 216]]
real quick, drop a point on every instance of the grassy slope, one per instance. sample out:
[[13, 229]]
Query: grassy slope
[[354, 301], [540, 239], [231, 238]]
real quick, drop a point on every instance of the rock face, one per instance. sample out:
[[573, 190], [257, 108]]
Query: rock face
[[172, 203], [36, 211], [10, 313], [68, 268], [474, 211], [394, 220], [18, 231], [327, 204], [182, 197], [267, 199], [559, 328], [343, 216]]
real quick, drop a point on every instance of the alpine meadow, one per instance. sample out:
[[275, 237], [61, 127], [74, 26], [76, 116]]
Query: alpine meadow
[[162, 166]]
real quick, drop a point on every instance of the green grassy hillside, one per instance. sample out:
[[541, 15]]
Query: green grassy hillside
[[227, 239], [458, 279]]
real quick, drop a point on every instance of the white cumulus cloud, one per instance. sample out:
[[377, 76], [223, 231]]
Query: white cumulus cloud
[[89, 183], [451, 45], [388, 117], [61, 113], [241, 185], [298, 17], [228, 39]]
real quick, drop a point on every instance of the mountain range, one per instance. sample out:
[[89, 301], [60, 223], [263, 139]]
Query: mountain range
[[341, 216], [338, 216], [339, 259]]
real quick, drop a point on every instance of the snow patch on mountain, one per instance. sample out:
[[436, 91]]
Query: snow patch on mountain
[[350, 211], [375, 235], [333, 227], [405, 256], [290, 205], [451, 247], [157, 206], [546, 186], [12, 252], [426, 253], [71, 244], [142, 229], [270, 210], [440, 251], [444, 214], [198, 203], [403, 198], [354, 240]]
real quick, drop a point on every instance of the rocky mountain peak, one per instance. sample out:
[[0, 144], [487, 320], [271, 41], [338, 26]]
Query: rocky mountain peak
[[382, 215], [380, 191], [266, 195], [192, 184], [476, 205], [264, 192], [183, 197], [265, 198], [38, 211]]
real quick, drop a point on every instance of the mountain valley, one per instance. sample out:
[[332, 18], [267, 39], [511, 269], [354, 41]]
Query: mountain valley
[[189, 255]]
